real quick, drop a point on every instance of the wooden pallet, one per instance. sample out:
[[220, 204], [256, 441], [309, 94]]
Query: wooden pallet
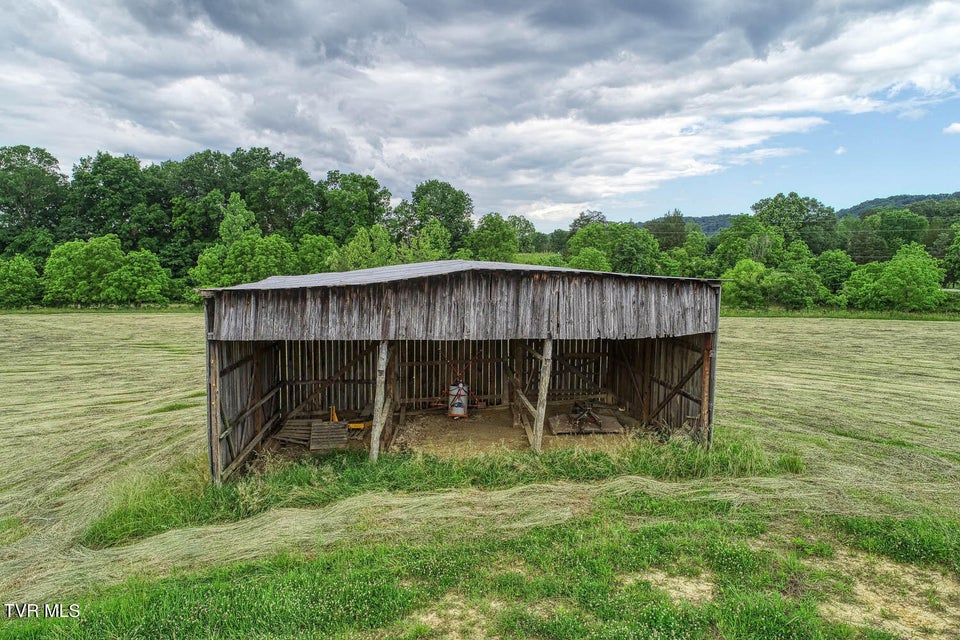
[[565, 424], [315, 434]]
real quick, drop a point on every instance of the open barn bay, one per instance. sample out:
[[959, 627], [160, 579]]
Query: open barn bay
[[830, 506]]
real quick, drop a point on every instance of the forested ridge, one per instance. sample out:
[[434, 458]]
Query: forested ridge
[[118, 232]]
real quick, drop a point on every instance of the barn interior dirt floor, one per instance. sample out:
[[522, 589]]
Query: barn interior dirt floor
[[487, 431]]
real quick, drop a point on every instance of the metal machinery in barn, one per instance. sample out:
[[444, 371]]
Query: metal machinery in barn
[[284, 351]]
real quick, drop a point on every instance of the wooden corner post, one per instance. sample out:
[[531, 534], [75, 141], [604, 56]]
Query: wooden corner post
[[706, 392], [546, 363], [381, 404], [213, 395]]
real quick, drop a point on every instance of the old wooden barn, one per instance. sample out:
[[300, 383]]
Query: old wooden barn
[[391, 340]]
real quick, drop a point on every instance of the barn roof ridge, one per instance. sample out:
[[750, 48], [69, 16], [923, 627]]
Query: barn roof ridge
[[416, 270]]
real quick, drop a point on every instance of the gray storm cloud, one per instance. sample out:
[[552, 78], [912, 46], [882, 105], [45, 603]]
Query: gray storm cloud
[[538, 108]]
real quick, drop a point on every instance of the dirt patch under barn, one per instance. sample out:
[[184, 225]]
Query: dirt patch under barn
[[486, 431]]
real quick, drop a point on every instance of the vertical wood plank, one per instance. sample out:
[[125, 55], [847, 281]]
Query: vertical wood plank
[[213, 409], [705, 390], [647, 400], [379, 401], [545, 369]]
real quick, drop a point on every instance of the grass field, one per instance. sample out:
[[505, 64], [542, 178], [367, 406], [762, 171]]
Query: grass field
[[829, 508]]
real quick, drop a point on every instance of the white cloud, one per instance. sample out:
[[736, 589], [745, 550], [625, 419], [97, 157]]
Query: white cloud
[[840, 150], [517, 107]]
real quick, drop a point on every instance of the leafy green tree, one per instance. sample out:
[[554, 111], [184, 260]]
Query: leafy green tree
[[494, 239], [19, 283], [435, 199], [880, 235], [371, 247], [820, 230], [557, 241], [594, 235], [695, 242], [669, 230], [798, 288], [34, 244], [912, 280], [309, 224], [350, 201], [899, 227], [586, 218], [431, 242], [792, 215], [539, 242], [402, 221], [200, 173], [590, 259], [280, 198], [744, 286], [951, 259], [767, 247], [32, 190], [139, 280], [747, 237], [462, 254], [237, 220], [63, 275], [633, 250], [834, 268], [629, 248], [77, 272], [861, 288], [526, 233], [865, 243], [673, 262], [254, 257], [314, 252], [540, 259], [196, 226], [209, 271], [147, 226], [103, 194]]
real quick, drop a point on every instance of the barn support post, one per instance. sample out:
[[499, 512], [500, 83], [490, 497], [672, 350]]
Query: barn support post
[[380, 404], [545, 371], [713, 365], [705, 425]]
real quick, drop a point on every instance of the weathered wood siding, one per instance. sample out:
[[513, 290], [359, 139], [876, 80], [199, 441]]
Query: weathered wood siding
[[648, 370], [249, 385], [472, 305]]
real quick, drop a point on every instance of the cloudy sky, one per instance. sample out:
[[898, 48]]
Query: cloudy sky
[[540, 108]]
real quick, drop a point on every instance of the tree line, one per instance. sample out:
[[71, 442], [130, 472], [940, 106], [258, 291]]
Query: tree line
[[117, 232]]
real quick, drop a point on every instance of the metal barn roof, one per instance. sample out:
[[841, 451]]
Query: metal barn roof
[[394, 273]]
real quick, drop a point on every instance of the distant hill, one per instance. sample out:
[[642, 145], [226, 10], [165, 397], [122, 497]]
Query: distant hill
[[893, 201], [711, 224]]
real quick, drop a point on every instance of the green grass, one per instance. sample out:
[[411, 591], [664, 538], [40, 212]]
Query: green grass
[[831, 312], [837, 440], [923, 541], [588, 577], [11, 530], [177, 307], [182, 496]]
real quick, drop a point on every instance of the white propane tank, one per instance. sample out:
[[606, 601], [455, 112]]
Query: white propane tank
[[457, 404]]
